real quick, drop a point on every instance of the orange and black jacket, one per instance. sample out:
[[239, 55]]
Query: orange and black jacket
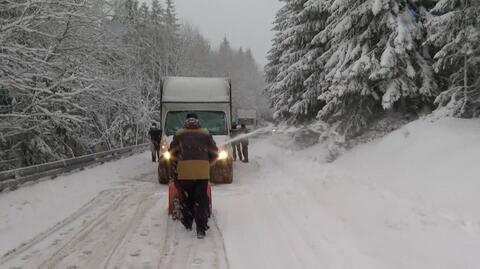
[[194, 150]]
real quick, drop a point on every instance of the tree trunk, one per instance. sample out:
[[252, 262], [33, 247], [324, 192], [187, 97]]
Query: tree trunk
[[465, 85], [136, 135]]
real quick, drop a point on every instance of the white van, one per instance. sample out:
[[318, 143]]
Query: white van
[[211, 100]]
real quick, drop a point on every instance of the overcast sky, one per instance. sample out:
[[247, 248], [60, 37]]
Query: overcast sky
[[246, 23]]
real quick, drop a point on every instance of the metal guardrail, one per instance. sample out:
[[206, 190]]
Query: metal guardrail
[[12, 179]]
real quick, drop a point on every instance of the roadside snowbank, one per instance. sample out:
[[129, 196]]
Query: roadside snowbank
[[436, 162], [32, 209], [409, 200]]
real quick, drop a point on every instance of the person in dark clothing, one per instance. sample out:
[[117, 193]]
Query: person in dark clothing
[[244, 143], [194, 149], [236, 144], [155, 139]]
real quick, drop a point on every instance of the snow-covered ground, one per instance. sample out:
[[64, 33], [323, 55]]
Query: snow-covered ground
[[34, 208], [409, 200]]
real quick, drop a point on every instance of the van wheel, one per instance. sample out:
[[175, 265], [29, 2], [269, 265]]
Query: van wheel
[[222, 172], [162, 175]]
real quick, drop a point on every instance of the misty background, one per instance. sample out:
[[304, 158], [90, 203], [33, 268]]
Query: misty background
[[246, 23]]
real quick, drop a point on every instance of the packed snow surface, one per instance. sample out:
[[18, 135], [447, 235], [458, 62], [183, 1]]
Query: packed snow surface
[[408, 200]]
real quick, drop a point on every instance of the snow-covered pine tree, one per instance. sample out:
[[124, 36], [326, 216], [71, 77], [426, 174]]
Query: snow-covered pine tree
[[171, 32], [157, 36], [313, 20], [374, 62], [279, 95], [225, 58], [454, 32], [157, 14], [171, 16], [276, 51], [287, 88], [196, 56], [245, 90], [240, 66], [144, 14], [131, 11], [293, 70]]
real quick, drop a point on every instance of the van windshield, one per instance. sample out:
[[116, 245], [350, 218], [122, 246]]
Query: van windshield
[[213, 121]]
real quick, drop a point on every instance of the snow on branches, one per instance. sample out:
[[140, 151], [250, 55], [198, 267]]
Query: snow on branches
[[81, 76], [454, 34], [348, 61]]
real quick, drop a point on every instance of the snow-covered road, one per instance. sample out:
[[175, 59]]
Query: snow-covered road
[[125, 226], [409, 200]]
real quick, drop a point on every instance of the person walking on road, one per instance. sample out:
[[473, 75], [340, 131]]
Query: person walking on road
[[194, 149], [244, 143], [155, 139]]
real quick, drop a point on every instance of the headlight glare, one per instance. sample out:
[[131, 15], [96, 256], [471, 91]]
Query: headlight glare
[[167, 155], [164, 145], [223, 155]]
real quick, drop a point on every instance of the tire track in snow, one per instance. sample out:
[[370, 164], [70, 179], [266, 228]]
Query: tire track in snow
[[183, 250], [88, 208], [69, 247], [95, 231], [121, 228], [125, 232], [109, 236], [122, 249], [224, 248]]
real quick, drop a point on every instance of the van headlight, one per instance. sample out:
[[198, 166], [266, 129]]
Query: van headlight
[[167, 155], [164, 145], [223, 155]]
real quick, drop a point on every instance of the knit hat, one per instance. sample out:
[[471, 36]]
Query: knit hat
[[192, 115]]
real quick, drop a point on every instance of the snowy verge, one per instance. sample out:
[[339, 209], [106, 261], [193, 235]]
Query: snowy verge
[[408, 200], [34, 208]]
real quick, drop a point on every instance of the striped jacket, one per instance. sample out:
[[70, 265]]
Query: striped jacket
[[193, 149]]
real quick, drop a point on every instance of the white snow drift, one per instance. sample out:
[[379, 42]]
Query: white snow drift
[[409, 200]]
